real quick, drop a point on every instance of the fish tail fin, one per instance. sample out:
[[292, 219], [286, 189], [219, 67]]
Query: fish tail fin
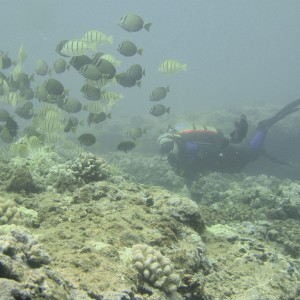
[[140, 51], [139, 83], [92, 46], [66, 92], [110, 39], [147, 26], [74, 129], [168, 109], [184, 67]]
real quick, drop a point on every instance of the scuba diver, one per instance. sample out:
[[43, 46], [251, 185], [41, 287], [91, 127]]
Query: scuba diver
[[207, 150]]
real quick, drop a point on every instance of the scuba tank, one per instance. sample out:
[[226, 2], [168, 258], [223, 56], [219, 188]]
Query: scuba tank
[[201, 138]]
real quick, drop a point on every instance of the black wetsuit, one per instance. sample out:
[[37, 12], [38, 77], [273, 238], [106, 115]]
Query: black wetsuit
[[214, 153], [208, 151]]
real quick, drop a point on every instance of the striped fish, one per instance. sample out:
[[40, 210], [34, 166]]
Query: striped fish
[[50, 126], [94, 107], [172, 66], [33, 142], [4, 85], [76, 47], [98, 37], [111, 59], [52, 138], [19, 150], [72, 147], [108, 96], [12, 99]]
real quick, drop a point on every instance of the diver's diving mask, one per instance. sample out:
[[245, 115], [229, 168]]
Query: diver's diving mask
[[166, 143]]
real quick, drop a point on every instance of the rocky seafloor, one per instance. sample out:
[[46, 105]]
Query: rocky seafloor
[[125, 227]]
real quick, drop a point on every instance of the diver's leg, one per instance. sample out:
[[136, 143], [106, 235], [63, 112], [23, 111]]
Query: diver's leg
[[258, 140], [264, 125]]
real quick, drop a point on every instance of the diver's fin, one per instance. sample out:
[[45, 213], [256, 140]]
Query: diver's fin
[[288, 109], [285, 111], [266, 124]]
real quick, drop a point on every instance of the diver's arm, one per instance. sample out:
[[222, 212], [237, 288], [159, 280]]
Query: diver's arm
[[182, 162]]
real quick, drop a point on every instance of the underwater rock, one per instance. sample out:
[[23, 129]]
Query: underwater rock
[[150, 170], [37, 257], [22, 277], [11, 290], [289, 201], [113, 295], [182, 209]]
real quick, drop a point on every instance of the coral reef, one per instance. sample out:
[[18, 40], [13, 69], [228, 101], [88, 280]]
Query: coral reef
[[109, 237], [89, 168], [61, 178], [75, 173], [155, 268], [147, 169], [180, 208], [21, 180], [8, 212], [269, 207], [47, 171], [289, 202]]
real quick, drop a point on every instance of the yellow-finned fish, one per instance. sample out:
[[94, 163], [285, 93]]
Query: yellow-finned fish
[[128, 48], [159, 93], [60, 65], [133, 23], [172, 66], [42, 68], [22, 54]]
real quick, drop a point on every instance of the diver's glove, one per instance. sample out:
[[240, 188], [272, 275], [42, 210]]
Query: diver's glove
[[166, 143]]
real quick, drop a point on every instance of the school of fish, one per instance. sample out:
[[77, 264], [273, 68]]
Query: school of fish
[[49, 110]]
